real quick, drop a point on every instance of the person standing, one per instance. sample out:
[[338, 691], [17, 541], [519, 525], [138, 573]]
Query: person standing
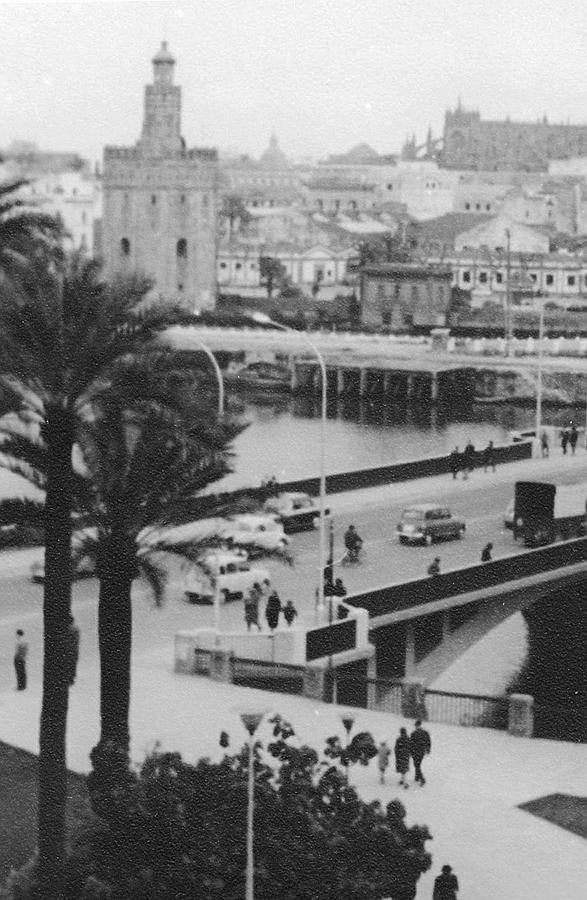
[[489, 457], [402, 756], [21, 651], [446, 885], [486, 552], [420, 746], [383, 754], [573, 438], [545, 449], [72, 649], [272, 610], [468, 459], [289, 612], [455, 462], [565, 440], [434, 567], [252, 606]]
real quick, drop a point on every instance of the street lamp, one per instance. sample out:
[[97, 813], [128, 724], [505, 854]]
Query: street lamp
[[348, 720], [266, 320], [539, 374], [188, 339], [251, 721]]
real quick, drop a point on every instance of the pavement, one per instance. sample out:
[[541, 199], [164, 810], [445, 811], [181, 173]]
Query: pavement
[[476, 777]]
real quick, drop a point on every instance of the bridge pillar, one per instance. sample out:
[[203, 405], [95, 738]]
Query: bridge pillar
[[221, 665], [339, 381], [314, 685], [521, 715], [294, 382], [413, 703], [434, 387], [410, 650], [409, 387], [362, 382]]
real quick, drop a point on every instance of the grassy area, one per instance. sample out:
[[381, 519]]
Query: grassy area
[[18, 806], [561, 809]]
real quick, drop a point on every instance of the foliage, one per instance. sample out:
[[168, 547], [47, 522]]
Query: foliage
[[176, 830], [272, 272], [23, 229], [233, 209]]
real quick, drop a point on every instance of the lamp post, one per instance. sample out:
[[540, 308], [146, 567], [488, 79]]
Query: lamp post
[[189, 338], [251, 721], [266, 320], [508, 296], [348, 720], [539, 373]]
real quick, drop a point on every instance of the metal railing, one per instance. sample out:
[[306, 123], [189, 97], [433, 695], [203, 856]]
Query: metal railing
[[466, 709]]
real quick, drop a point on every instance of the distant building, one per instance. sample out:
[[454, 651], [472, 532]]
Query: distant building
[[239, 266], [76, 198], [23, 158], [500, 233], [160, 200], [270, 181], [473, 143], [400, 295]]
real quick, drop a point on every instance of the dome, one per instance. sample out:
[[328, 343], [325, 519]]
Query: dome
[[163, 55], [273, 157]]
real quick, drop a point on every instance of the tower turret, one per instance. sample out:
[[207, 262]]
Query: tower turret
[[162, 119]]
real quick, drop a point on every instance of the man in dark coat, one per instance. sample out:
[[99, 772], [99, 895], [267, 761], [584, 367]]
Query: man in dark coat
[[402, 756], [455, 462], [420, 746], [468, 459], [272, 610], [486, 552], [573, 438], [565, 437], [446, 885]]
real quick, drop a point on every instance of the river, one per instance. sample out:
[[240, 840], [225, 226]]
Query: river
[[283, 439]]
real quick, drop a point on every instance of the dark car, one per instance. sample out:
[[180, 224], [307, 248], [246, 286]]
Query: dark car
[[297, 511], [425, 523]]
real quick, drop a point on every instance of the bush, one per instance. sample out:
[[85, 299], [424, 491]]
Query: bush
[[173, 830]]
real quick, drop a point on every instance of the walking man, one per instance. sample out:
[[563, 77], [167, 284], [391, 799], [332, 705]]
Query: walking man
[[21, 651], [272, 610], [489, 457], [252, 606], [434, 567], [446, 885], [455, 462], [402, 756], [468, 459], [289, 612], [573, 438], [486, 552], [565, 436], [544, 445], [420, 746]]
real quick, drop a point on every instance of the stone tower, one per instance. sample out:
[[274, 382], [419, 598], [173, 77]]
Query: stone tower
[[160, 200]]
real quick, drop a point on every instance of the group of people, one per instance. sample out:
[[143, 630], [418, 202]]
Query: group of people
[[413, 747], [569, 437], [465, 462], [21, 652], [273, 607], [486, 556]]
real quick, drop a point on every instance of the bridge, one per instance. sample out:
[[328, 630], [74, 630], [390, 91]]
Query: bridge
[[420, 627]]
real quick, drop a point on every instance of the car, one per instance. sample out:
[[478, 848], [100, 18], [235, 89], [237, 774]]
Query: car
[[255, 532], [425, 523], [228, 572], [296, 511], [85, 568], [508, 516]]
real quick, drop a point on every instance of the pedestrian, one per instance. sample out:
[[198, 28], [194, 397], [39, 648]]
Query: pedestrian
[[383, 754], [573, 438], [565, 440], [72, 649], [402, 756], [446, 885], [468, 459], [252, 606], [21, 651], [489, 457], [486, 552], [544, 445], [420, 746], [289, 612], [339, 589], [272, 610], [455, 462], [434, 567]]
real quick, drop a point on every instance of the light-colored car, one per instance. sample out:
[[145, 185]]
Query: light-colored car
[[425, 523], [297, 511], [227, 571], [257, 533]]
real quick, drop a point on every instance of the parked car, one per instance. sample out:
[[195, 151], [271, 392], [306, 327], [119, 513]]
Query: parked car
[[86, 568], [426, 522], [255, 532], [296, 511], [227, 571]]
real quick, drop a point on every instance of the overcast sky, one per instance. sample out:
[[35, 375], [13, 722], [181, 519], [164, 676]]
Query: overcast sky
[[324, 74]]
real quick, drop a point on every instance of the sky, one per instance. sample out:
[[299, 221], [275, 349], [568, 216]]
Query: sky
[[323, 74]]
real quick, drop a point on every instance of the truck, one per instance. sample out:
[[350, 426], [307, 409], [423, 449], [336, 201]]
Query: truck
[[543, 512]]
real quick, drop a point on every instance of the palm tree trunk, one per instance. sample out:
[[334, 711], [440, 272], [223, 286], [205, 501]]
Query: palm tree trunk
[[115, 642], [56, 609]]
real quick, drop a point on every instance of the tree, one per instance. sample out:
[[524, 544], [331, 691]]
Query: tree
[[272, 272], [178, 830], [233, 209], [61, 329], [23, 229]]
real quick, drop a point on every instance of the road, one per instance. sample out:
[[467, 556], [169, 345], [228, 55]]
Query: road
[[481, 501]]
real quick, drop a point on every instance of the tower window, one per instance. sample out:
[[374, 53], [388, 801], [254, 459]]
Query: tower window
[[125, 247], [182, 248], [153, 199]]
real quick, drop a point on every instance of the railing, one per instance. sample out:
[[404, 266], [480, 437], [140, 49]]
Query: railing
[[335, 638], [276, 676], [466, 709], [397, 597]]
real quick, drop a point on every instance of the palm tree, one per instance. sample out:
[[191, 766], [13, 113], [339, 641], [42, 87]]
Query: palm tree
[[23, 228], [61, 330]]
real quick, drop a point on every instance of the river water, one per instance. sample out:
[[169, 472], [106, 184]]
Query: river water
[[283, 439]]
